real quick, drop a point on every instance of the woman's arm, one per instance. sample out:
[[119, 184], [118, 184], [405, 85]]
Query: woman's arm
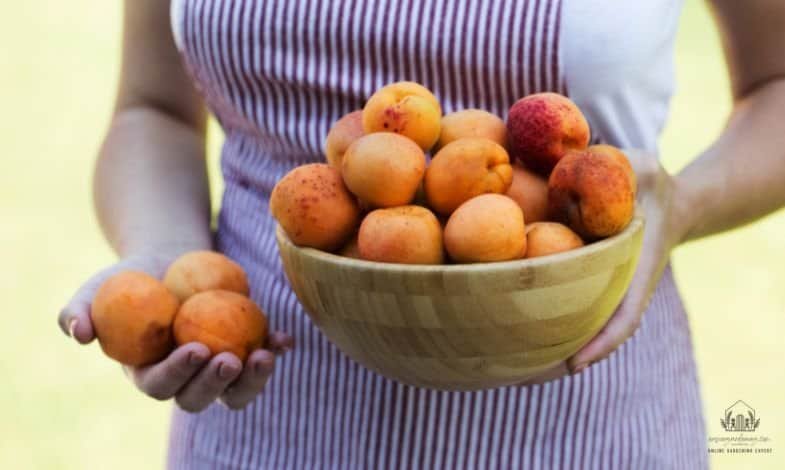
[[152, 200], [740, 178], [150, 184]]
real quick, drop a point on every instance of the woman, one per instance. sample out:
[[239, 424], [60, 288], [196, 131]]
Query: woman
[[278, 73]]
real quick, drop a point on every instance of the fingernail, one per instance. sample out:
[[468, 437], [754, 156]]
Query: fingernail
[[72, 326], [226, 371], [196, 359], [578, 369]]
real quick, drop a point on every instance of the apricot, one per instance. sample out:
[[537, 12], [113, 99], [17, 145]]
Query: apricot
[[486, 228], [530, 191], [472, 123], [546, 238], [543, 127], [590, 193], [132, 315], [406, 108], [199, 271], [620, 157], [314, 207], [383, 169], [463, 169], [345, 131], [351, 249], [405, 234], [224, 321]]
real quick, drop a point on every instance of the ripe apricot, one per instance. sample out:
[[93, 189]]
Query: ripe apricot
[[543, 127], [486, 228], [223, 321], [590, 193], [547, 238], [314, 207], [530, 191], [472, 123], [405, 234], [199, 271], [406, 108], [620, 157], [383, 169], [132, 315], [345, 131], [465, 168]]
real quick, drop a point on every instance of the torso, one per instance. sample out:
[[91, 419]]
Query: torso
[[277, 74]]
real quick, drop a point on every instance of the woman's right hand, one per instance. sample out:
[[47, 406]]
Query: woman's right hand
[[188, 374]]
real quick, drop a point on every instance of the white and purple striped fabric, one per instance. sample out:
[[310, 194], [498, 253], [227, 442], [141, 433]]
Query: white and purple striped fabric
[[277, 74]]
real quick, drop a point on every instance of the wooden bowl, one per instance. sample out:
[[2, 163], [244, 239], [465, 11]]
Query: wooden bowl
[[468, 326]]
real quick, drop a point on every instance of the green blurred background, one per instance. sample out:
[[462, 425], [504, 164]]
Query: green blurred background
[[68, 407]]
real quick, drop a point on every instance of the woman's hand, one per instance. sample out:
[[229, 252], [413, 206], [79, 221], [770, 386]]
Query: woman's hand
[[665, 227], [188, 374]]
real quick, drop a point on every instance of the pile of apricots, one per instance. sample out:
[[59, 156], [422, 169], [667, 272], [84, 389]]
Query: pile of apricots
[[491, 191], [203, 297]]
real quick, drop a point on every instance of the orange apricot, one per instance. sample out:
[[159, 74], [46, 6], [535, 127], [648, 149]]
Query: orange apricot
[[405, 234], [530, 191], [619, 157], [472, 123], [132, 315], [406, 108], [486, 228], [199, 271], [465, 168], [547, 238], [314, 207], [224, 321], [345, 131], [383, 169]]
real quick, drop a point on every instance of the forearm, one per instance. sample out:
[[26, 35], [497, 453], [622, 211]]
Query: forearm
[[742, 176], [150, 184]]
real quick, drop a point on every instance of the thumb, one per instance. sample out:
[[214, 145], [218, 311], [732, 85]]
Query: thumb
[[74, 318]]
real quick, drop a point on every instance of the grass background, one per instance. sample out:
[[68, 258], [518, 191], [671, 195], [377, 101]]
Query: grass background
[[66, 407]]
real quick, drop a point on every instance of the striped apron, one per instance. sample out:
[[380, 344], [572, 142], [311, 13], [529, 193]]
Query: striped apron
[[277, 74]]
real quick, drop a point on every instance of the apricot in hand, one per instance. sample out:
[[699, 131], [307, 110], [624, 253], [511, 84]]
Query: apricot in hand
[[223, 321], [199, 271], [132, 314]]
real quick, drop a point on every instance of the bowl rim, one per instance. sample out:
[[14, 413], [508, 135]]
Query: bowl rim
[[634, 226]]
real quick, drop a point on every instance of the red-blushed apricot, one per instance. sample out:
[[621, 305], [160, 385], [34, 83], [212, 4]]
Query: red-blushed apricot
[[547, 238], [132, 315], [406, 108], [486, 228], [345, 131], [223, 321], [472, 123], [314, 207], [465, 168], [383, 169], [199, 271], [405, 234], [591, 194], [542, 128], [618, 156], [530, 191]]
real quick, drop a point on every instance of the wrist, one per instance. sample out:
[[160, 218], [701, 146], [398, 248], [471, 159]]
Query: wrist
[[684, 213]]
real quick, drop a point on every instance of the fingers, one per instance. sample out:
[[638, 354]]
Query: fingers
[[210, 382], [258, 369], [164, 379], [280, 342], [74, 320]]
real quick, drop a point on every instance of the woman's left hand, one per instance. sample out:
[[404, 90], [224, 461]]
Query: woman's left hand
[[658, 200]]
